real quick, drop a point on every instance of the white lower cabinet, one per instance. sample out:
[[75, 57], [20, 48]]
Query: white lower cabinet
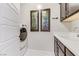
[[55, 47], [60, 52], [69, 53], [60, 49]]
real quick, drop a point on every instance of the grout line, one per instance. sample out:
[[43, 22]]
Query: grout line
[[14, 6], [13, 9], [8, 41], [9, 25], [6, 18]]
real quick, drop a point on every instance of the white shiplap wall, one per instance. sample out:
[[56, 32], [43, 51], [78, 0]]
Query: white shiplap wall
[[9, 29]]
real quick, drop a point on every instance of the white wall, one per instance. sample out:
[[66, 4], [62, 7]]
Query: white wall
[[75, 26], [67, 25], [42, 40], [9, 29], [72, 26]]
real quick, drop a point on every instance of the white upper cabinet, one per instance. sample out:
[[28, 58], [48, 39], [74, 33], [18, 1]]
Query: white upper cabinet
[[67, 10], [73, 7]]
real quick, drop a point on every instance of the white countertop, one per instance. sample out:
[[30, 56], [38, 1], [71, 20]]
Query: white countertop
[[70, 40]]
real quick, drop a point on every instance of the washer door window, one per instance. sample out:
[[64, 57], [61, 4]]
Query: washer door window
[[23, 34]]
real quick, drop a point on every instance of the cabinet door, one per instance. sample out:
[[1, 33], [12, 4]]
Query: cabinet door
[[61, 45], [69, 53], [55, 47], [73, 7], [60, 52], [62, 11]]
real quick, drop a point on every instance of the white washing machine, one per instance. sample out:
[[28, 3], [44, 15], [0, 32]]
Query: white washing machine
[[23, 40]]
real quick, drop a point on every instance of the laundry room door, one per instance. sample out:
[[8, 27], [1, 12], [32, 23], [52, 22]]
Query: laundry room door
[[9, 29]]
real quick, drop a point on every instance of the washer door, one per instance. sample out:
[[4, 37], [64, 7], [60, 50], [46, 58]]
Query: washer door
[[23, 34]]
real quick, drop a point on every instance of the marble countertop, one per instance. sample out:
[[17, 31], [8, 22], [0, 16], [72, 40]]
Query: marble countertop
[[70, 40]]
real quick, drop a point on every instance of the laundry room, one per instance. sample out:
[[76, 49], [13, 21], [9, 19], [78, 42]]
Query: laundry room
[[39, 29]]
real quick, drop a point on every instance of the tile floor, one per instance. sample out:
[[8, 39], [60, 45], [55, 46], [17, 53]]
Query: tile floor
[[31, 52]]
